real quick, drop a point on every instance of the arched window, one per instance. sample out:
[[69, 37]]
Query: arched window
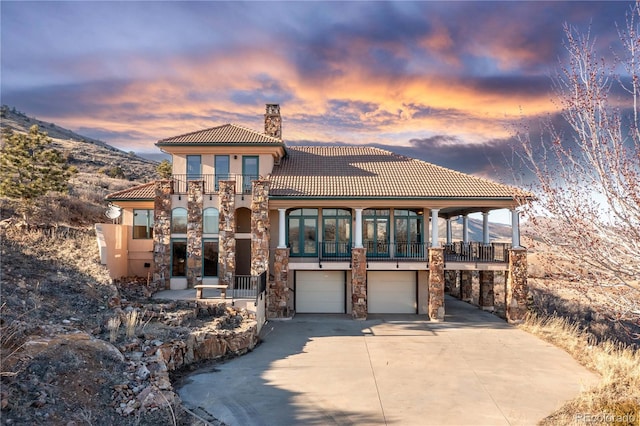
[[210, 221], [179, 220]]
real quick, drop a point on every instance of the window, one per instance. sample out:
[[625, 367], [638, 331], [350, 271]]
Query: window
[[194, 167], [179, 221], [249, 172], [222, 168], [210, 221], [178, 258], [303, 230], [336, 228], [210, 257], [375, 232], [143, 223], [408, 233]]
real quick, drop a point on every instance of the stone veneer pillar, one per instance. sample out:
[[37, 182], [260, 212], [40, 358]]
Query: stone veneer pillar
[[260, 227], [195, 190], [359, 283], [475, 288], [436, 284], [466, 280], [278, 290], [451, 283], [517, 289], [486, 290], [227, 233], [162, 234], [499, 293]]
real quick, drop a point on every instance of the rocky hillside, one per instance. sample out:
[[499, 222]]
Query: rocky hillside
[[102, 169], [75, 347], [87, 154]]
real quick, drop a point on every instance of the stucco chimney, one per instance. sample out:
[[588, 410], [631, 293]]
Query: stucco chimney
[[273, 121]]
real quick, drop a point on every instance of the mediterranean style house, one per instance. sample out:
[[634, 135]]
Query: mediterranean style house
[[337, 229]]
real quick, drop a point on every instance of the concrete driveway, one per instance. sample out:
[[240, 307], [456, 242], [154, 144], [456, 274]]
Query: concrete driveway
[[473, 369]]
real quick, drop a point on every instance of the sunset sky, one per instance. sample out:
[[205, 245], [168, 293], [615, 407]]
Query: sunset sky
[[440, 81]]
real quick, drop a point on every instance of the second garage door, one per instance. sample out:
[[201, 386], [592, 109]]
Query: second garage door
[[391, 292], [320, 292]]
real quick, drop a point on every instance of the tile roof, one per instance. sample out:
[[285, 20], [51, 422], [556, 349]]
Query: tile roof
[[359, 171], [146, 191], [226, 134]]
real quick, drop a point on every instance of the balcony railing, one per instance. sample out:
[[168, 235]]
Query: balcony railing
[[412, 252], [477, 252], [211, 186]]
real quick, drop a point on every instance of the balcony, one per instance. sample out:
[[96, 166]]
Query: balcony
[[411, 252], [243, 182]]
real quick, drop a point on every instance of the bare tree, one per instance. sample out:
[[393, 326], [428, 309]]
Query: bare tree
[[587, 170]]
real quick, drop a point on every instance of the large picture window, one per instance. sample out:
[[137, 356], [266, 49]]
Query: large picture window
[[143, 223], [303, 232], [336, 232], [179, 221], [375, 232]]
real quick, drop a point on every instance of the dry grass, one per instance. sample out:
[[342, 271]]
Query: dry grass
[[616, 398]]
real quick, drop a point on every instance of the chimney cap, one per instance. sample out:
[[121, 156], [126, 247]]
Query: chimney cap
[[273, 109]]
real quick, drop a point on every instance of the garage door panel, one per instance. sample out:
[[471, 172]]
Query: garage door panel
[[320, 292], [391, 292]]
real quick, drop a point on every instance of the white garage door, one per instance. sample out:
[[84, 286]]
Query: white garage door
[[320, 292], [391, 292]]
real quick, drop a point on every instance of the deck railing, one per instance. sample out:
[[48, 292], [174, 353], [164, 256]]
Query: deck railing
[[411, 252], [477, 252], [243, 182], [249, 286]]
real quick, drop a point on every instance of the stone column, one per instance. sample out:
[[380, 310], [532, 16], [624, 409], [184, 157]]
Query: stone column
[[451, 283], [227, 237], [486, 290], [517, 289], [195, 190], [278, 291], [436, 284], [359, 283], [260, 227], [475, 288], [466, 286], [499, 293], [162, 234]]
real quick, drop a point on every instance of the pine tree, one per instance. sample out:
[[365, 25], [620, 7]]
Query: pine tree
[[164, 169], [29, 168]]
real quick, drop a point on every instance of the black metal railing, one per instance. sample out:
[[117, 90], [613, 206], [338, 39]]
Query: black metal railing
[[245, 287], [477, 252], [334, 250], [211, 182], [397, 252]]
